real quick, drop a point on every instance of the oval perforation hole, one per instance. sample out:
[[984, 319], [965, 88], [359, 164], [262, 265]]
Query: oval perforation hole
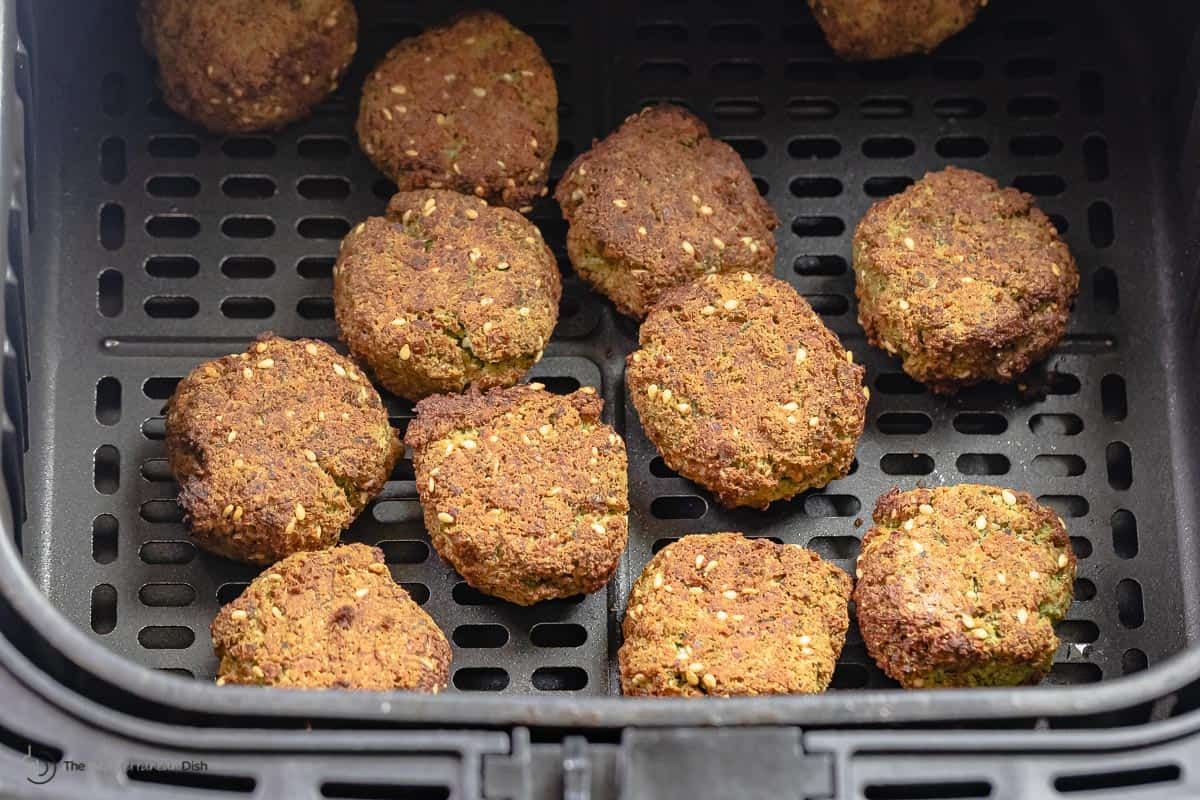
[[814, 147], [110, 292], [159, 388], [906, 464], [1133, 660], [816, 226], [1056, 424], [323, 227], [559, 679], [885, 108], [106, 469], [481, 679], [961, 147], [816, 187], [1077, 631], [982, 464], [466, 595], [248, 227], [104, 539], [248, 187], [172, 267], [108, 401], [161, 512], [557, 634], [166, 637], [112, 226], [1112, 397], [247, 307], [396, 512], [167, 551], [819, 265], [173, 595], [1130, 611], [157, 470], [1085, 590], [247, 267], [315, 307], [112, 160], [172, 186], [323, 188], [748, 147], [831, 505], [1119, 461], [886, 186], [1040, 185], [1066, 505], [419, 592], [810, 108], [323, 147], [1104, 290], [1124, 533], [172, 146], [248, 147], [558, 384], [735, 108], [888, 147], [959, 107], [171, 307], [481, 636], [228, 592], [1059, 466], [903, 423], [835, 548], [1075, 672], [980, 423], [316, 267], [104, 609], [404, 551], [659, 469], [678, 507], [172, 226], [828, 305], [1062, 383]]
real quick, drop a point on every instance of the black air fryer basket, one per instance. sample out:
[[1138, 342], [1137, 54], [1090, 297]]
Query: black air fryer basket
[[139, 245]]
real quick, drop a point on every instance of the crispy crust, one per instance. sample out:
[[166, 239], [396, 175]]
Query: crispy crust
[[277, 449], [471, 106], [926, 591], [330, 619], [524, 491], [248, 65], [659, 203], [982, 293], [444, 293], [721, 615], [878, 29], [744, 390]]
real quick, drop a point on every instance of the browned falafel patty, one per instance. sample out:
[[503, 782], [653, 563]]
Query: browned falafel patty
[[276, 449], [471, 106], [248, 65], [720, 614], [962, 280], [444, 293], [961, 586], [660, 203], [865, 30], [744, 390], [524, 491], [330, 619]]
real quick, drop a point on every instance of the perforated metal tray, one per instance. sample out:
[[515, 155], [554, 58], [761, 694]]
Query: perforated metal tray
[[156, 245]]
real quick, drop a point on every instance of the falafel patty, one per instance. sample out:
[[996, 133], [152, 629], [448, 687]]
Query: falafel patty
[[660, 203], [961, 586], [720, 614], [330, 619], [470, 106], [277, 449], [962, 280], [868, 30], [444, 293], [248, 65], [743, 389], [524, 491]]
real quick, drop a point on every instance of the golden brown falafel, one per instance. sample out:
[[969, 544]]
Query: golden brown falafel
[[961, 586], [276, 449], [524, 491], [470, 106], [444, 293], [720, 614], [330, 619], [248, 65], [962, 280], [866, 30], [660, 203], [744, 390]]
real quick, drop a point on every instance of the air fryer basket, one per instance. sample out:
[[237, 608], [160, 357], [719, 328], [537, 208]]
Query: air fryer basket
[[154, 245]]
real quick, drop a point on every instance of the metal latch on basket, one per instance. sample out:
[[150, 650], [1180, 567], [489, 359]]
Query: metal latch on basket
[[663, 764]]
